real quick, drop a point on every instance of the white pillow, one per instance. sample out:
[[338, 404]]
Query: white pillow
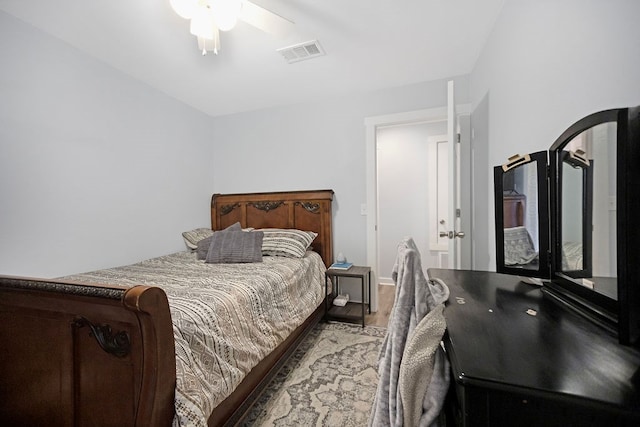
[[192, 237], [286, 242]]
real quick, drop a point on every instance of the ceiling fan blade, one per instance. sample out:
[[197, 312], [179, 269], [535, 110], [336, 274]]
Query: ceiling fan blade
[[265, 20]]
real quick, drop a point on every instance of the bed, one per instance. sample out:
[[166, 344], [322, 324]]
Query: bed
[[108, 347], [518, 247]]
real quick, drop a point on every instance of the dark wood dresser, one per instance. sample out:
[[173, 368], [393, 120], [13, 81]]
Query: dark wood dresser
[[518, 358]]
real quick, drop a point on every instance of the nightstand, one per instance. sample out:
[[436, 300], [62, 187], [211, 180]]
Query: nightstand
[[353, 310]]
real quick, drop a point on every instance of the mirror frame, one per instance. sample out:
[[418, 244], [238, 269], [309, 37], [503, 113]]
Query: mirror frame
[[622, 316], [628, 233], [563, 287], [544, 263], [587, 219]]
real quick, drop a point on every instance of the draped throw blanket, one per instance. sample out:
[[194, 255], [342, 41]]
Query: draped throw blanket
[[413, 369]]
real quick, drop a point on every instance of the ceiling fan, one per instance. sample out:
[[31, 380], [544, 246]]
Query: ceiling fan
[[209, 17]]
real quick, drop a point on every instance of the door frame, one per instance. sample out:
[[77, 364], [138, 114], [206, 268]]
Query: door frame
[[437, 114]]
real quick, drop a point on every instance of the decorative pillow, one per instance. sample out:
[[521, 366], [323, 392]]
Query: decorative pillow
[[203, 245], [235, 247], [192, 237], [286, 242]]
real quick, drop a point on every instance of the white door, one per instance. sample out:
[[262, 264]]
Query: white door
[[454, 232], [438, 181]]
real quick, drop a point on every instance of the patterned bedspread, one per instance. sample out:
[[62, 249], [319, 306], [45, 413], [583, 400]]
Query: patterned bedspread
[[226, 317]]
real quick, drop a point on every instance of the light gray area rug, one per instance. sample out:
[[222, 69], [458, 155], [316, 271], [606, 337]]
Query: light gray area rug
[[330, 380]]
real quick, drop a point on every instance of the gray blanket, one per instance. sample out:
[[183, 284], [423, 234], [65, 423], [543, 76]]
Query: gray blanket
[[418, 398]]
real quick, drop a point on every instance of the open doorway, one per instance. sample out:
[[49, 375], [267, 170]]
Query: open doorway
[[411, 178], [373, 124]]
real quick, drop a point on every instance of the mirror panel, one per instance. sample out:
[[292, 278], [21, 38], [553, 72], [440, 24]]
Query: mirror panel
[[587, 208], [522, 216], [520, 223], [572, 226]]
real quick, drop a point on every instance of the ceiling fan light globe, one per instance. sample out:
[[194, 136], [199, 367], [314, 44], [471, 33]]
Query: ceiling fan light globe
[[226, 13], [202, 24], [184, 8], [226, 24]]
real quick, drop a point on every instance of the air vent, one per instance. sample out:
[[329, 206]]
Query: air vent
[[301, 51]]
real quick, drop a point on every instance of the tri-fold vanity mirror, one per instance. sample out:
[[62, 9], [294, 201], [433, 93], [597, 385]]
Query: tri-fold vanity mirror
[[571, 217]]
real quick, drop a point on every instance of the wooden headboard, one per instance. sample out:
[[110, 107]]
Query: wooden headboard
[[303, 210], [513, 206]]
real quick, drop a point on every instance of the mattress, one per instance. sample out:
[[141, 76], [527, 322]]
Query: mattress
[[226, 317]]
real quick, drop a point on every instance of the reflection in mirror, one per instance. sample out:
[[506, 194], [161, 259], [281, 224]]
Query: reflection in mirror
[[520, 209], [572, 224], [588, 225]]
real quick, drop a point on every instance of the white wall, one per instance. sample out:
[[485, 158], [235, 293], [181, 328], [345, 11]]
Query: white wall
[[88, 154], [548, 64], [316, 146], [480, 190], [96, 169], [404, 193]]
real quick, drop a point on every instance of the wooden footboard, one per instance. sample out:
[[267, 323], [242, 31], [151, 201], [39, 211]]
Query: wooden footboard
[[85, 355]]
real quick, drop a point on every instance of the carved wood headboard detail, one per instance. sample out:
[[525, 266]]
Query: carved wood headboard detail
[[513, 210], [303, 210]]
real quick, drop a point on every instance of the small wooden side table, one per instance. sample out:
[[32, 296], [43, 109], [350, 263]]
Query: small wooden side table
[[352, 310]]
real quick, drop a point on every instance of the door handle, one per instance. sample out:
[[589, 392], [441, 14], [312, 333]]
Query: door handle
[[452, 234]]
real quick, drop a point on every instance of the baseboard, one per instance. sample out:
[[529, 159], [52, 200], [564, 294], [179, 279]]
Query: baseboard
[[386, 281]]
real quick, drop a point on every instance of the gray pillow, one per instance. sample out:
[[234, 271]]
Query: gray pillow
[[202, 246], [235, 247]]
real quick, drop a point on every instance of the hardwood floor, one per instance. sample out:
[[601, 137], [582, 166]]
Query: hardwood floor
[[386, 296]]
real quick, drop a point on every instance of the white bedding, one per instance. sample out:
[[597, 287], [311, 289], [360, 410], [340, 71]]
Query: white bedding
[[518, 247]]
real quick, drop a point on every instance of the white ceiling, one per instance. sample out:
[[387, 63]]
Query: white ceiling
[[369, 44]]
